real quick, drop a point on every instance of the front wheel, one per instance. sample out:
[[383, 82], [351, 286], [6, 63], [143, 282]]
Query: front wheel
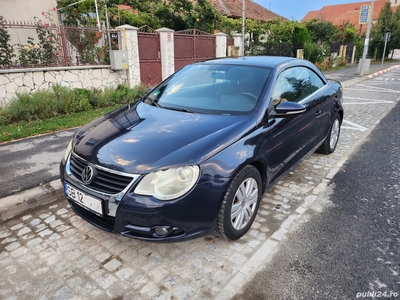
[[329, 144], [240, 204]]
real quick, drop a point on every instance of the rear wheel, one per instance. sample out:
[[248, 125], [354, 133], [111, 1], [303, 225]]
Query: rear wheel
[[240, 204], [329, 144]]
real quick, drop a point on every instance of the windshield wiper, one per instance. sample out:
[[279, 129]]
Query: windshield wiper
[[181, 109], [153, 102]]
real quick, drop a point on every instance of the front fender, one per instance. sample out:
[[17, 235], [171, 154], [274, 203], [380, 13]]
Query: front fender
[[227, 163]]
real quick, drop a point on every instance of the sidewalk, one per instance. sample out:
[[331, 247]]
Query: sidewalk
[[29, 167], [348, 74]]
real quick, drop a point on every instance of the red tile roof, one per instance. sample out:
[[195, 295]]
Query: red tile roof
[[253, 10], [125, 7], [340, 13]]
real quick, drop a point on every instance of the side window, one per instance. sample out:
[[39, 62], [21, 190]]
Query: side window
[[316, 81], [292, 85]]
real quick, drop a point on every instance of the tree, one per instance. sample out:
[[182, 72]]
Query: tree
[[321, 31], [345, 33], [301, 35], [384, 24], [229, 25], [395, 38], [6, 50], [288, 32], [207, 15]]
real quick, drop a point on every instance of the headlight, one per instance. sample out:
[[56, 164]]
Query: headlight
[[169, 184], [68, 150]]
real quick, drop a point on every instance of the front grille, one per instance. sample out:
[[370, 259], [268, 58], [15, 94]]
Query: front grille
[[104, 182]]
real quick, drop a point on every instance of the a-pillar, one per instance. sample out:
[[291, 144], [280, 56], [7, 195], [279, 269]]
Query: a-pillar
[[130, 43], [220, 47], [237, 42], [167, 54]]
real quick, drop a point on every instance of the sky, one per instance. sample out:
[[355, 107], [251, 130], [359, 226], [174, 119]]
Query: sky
[[298, 8]]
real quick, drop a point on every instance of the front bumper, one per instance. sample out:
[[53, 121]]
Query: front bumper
[[149, 219]]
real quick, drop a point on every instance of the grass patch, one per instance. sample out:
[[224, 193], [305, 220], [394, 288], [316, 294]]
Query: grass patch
[[61, 101], [60, 108], [25, 129]]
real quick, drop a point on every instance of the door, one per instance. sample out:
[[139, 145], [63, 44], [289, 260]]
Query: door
[[292, 137]]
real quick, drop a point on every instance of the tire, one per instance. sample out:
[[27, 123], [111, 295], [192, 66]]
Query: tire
[[240, 205], [329, 144]]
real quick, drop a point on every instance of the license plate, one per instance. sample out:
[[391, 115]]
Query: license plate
[[84, 200]]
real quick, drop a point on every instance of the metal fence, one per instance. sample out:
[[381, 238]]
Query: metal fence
[[38, 44], [335, 48], [271, 49]]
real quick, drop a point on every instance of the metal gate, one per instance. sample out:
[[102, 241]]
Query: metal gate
[[192, 45], [149, 56]]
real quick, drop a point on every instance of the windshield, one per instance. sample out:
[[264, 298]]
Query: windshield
[[213, 89]]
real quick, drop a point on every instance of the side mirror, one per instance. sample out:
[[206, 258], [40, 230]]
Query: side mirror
[[149, 90], [288, 109]]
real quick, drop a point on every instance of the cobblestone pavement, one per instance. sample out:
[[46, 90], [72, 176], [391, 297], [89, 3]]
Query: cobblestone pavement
[[51, 253]]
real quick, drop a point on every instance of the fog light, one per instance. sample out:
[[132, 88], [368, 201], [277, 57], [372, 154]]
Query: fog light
[[161, 230]]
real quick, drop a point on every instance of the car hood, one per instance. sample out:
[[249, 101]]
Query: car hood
[[143, 138]]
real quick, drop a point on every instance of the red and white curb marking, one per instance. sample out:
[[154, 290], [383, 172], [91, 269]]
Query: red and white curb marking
[[383, 71]]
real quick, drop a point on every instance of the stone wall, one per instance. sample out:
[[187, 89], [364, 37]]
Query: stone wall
[[13, 82]]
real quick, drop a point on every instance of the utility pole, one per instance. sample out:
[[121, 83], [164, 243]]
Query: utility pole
[[366, 42], [243, 24], [97, 15]]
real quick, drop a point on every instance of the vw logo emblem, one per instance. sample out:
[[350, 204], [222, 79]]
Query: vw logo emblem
[[88, 174]]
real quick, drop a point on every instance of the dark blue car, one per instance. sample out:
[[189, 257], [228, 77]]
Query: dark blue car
[[194, 156]]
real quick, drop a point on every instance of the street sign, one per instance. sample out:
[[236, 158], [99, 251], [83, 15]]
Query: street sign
[[387, 36], [364, 14]]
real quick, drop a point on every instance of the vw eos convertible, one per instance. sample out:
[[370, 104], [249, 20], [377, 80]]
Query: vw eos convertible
[[195, 154]]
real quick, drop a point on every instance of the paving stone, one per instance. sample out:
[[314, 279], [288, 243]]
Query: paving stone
[[18, 226], [112, 265], [13, 246], [62, 211], [23, 231]]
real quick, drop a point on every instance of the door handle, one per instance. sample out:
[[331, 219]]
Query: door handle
[[317, 113]]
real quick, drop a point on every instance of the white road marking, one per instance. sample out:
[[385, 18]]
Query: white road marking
[[352, 103], [379, 88], [367, 101], [354, 126], [373, 90]]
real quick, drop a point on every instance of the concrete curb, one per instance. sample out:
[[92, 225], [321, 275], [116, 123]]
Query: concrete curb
[[383, 71], [16, 204]]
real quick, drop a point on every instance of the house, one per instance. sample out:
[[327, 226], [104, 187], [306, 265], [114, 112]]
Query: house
[[340, 13], [233, 9]]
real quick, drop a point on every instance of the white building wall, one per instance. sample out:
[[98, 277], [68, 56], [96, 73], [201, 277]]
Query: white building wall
[[27, 10]]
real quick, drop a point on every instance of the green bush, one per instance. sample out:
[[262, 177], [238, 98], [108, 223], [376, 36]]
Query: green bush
[[316, 52], [60, 100]]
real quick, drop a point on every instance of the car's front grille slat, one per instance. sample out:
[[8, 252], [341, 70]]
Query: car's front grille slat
[[104, 182]]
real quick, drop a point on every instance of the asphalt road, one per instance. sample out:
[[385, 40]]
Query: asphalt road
[[351, 249], [31, 162]]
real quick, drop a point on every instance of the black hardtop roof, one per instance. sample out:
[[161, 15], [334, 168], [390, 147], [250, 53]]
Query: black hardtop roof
[[261, 61]]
